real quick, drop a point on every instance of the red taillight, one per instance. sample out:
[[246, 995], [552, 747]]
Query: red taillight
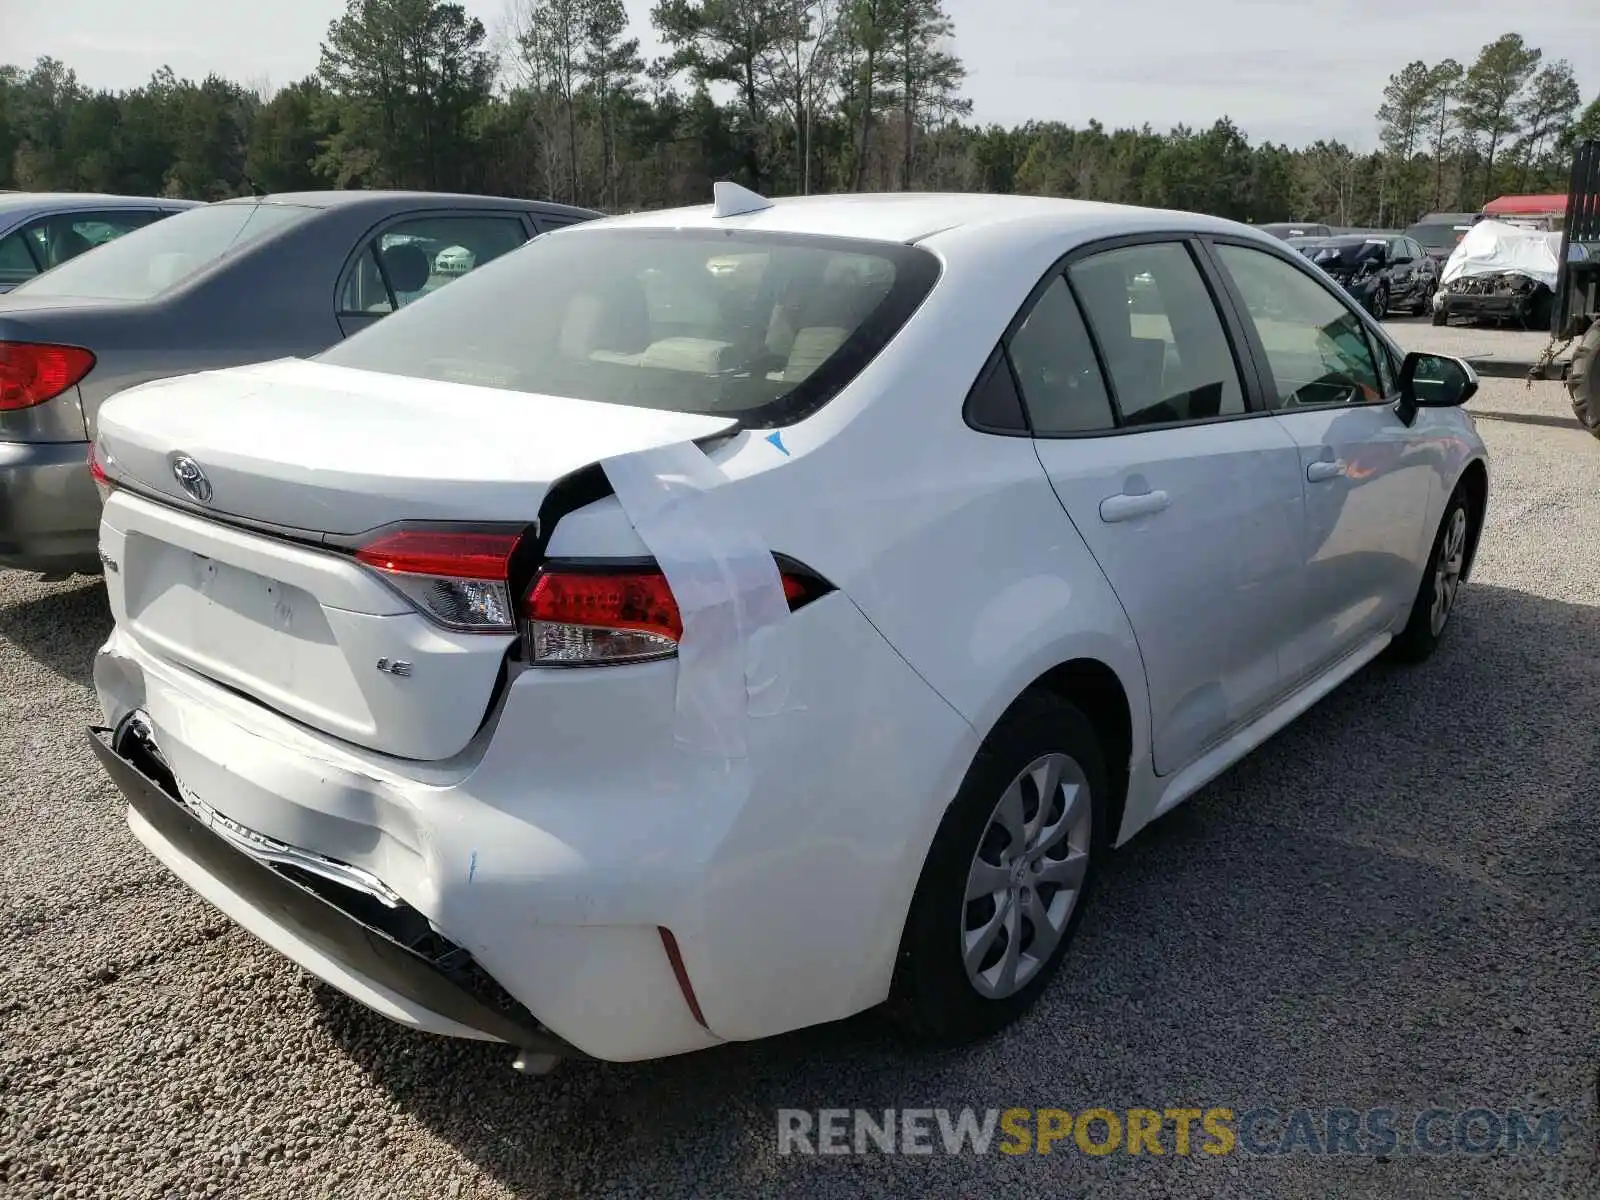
[[97, 472], [31, 372], [586, 616], [457, 554], [457, 577]]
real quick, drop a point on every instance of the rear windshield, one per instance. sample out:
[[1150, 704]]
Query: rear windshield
[[1438, 237], [1344, 254], [147, 262], [762, 327]]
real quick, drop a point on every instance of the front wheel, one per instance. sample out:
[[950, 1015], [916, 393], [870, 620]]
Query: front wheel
[[1379, 302], [1004, 884], [1441, 584]]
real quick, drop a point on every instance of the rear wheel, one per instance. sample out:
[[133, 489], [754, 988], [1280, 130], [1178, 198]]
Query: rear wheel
[[1004, 884], [1440, 317], [1583, 380], [1441, 583]]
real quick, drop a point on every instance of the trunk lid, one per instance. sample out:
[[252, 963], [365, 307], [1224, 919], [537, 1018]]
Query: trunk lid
[[301, 627], [337, 450]]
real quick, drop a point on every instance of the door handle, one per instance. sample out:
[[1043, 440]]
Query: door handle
[[1325, 469], [1124, 507]]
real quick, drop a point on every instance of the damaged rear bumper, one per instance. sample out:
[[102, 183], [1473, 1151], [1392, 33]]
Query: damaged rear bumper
[[346, 931]]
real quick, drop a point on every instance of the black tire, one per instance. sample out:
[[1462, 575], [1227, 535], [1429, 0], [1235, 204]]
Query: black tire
[[1424, 301], [1380, 302], [1540, 310], [1421, 636], [1440, 317], [1583, 380], [933, 999]]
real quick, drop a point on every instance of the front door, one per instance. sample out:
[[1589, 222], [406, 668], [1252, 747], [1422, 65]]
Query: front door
[[1192, 507], [1368, 480]]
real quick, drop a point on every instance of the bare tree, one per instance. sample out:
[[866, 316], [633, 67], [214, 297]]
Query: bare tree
[[799, 70], [550, 41]]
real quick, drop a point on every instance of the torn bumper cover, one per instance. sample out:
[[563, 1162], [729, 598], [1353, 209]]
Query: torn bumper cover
[[352, 921]]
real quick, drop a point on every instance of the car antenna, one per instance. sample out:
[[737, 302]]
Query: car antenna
[[731, 200], [256, 189]]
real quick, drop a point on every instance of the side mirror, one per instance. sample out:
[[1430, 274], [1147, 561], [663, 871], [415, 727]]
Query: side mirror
[[1434, 381]]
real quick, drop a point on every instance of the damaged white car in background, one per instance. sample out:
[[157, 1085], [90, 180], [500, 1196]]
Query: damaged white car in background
[[1502, 272]]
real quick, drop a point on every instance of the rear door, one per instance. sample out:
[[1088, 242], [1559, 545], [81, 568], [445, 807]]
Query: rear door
[[411, 255], [1189, 499], [1367, 480]]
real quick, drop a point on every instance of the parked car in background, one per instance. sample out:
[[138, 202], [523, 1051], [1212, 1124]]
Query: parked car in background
[[1503, 273], [1439, 233], [704, 624], [454, 260], [1295, 229], [40, 230], [233, 282], [1382, 271]]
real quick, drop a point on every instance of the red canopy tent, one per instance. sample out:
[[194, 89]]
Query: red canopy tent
[[1527, 206]]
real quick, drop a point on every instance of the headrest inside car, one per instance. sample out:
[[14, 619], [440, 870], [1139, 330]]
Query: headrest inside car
[[407, 267]]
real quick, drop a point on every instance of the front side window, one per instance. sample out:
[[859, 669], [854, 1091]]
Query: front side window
[[149, 261], [1315, 343], [1159, 333], [762, 327]]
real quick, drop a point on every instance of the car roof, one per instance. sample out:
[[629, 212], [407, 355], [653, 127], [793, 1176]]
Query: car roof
[[384, 199], [912, 217], [49, 202]]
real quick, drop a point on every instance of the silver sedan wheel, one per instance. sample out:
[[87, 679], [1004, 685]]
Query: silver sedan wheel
[[1447, 570], [1026, 876]]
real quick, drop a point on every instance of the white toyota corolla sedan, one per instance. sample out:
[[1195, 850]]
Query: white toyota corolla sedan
[[702, 624]]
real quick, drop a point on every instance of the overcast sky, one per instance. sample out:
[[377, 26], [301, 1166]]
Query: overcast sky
[[1288, 70]]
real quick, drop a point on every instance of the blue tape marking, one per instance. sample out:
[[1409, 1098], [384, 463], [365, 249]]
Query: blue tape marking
[[776, 438], [472, 866]]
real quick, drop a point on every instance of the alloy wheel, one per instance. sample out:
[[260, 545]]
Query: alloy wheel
[[1026, 876], [1447, 570]]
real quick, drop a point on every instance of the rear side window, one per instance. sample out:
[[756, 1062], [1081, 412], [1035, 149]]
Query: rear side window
[[1056, 368], [155, 259], [16, 259], [64, 236], [1159, 332], [762, 327]]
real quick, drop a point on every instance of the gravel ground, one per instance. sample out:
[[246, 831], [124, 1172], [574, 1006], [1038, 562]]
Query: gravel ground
[[1470, 341], [1393, 904]]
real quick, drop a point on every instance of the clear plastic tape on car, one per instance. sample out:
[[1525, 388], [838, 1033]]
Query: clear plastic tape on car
[[731, 658]]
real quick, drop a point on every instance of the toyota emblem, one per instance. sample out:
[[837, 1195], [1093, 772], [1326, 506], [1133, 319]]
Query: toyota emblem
[[191, 478]]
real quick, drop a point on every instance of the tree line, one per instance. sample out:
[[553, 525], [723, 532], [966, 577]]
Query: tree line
[[785, 96]]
